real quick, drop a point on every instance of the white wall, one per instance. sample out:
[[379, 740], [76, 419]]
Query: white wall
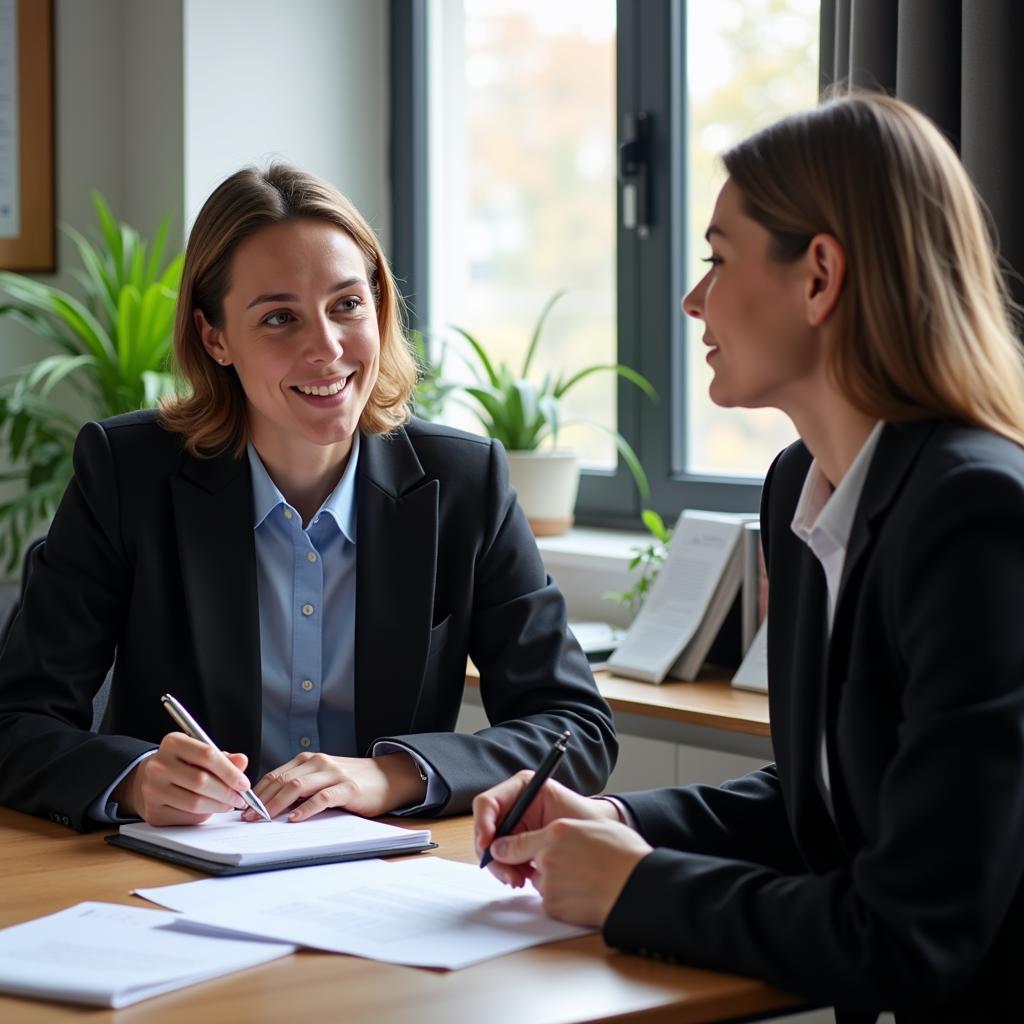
[[304, 81]]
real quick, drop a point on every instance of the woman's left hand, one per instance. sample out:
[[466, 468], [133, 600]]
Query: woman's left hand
[[579, 867], [311, 783]]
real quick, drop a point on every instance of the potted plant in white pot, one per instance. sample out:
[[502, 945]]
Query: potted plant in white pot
[[526, 418]]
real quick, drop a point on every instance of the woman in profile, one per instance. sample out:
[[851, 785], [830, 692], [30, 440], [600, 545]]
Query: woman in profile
[[290, 555], [878, 863]]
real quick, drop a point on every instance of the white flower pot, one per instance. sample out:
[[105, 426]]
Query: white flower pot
[[546, 482]]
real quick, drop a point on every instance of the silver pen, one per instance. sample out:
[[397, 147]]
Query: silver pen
[[191, 727]]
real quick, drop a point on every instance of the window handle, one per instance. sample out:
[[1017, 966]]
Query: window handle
[[633, 173]]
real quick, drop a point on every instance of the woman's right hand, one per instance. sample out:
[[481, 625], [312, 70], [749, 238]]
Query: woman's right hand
[[183, 783], [552, 802]]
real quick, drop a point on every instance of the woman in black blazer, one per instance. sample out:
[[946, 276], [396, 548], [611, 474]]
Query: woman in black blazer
[[292, 556], [878, 863]]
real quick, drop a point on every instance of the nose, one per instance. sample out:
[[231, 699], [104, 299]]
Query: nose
[[323, 342], [693, 301]]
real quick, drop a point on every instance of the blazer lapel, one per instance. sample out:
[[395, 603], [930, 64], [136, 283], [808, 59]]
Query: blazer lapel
[[898, 448], [396, 561], [213, 515]]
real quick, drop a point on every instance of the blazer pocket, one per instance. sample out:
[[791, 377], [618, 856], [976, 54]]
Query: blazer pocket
[[438, 638]]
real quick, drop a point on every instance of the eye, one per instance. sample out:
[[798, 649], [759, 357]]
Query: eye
[[712, 259], [349, 304], [279, 318]]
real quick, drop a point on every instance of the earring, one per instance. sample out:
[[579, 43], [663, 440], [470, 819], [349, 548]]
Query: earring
[[222, 362]]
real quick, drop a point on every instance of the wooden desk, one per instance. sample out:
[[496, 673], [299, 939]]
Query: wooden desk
[[710, 701], [45, 868]]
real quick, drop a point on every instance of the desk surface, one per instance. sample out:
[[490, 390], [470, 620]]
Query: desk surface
[[710, 701], [46, 867]]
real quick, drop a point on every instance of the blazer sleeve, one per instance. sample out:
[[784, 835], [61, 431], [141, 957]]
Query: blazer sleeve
[[59, 647], [912, 913], [535, 681]]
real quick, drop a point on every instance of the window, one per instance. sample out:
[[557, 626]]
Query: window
[[509, 115]]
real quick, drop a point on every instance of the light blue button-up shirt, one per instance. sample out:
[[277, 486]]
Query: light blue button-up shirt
[[306, 580]]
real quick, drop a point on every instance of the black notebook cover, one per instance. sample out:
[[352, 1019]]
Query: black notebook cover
[[212, 867]]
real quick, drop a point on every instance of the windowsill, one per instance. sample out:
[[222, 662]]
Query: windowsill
[[587, 545]]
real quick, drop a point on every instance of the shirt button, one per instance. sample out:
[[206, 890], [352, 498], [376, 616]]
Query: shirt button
[[307, 685], [307, 609], [305, 741], [288, 513], [311, 556]]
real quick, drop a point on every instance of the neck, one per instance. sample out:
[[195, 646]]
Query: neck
[[306, 478], [834, 432]]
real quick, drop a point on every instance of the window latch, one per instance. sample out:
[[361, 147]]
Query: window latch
[[633, 172]]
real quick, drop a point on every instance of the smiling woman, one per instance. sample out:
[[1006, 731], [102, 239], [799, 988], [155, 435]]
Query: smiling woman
[[292, 555]]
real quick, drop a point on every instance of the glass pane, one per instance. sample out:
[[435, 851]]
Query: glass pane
[[748, 63], [522, 142]]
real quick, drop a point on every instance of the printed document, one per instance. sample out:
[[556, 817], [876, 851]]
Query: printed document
[[104, 954], [423, 912]]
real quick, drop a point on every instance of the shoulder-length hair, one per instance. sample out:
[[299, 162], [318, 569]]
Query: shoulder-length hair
[[212, 414], [923, 326]]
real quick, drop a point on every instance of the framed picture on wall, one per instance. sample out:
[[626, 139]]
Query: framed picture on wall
[[26, 136]]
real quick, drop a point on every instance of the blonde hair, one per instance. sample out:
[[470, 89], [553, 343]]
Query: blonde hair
[[923, 324], [212, 416]]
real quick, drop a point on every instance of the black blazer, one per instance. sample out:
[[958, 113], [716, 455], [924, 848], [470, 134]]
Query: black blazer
[[911, 899], [152, 553]]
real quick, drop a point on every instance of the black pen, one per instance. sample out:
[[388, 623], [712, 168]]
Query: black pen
[[523, 801]]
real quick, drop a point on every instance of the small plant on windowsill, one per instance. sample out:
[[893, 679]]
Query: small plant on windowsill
[[648, 558], [431, 392], [526, 418]]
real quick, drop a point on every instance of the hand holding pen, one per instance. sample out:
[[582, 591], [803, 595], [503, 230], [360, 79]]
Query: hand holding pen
[[184, 781]]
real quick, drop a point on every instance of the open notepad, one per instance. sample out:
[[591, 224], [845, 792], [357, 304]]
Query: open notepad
[[224, 844]]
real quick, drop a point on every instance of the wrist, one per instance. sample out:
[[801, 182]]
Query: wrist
[[405, 779]]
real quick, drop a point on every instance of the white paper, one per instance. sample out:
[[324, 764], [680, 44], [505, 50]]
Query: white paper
[[10, 151], [701, 549], [227, 839], [104, 954], [753, 671], [424, 912]]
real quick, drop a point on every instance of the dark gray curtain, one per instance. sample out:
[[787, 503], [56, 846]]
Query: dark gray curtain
[[960, 62]]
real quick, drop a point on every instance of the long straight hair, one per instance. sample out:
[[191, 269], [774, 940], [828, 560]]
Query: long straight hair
[[924, 326]]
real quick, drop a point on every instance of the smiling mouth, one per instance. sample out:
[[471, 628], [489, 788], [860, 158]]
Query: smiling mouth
[[323, 390]]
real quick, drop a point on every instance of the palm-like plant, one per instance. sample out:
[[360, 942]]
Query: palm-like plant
[[523, 415], [112, 349]]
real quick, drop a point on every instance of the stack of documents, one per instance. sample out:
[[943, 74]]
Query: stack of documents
[[225, 844], [104, 954], [424, 912]]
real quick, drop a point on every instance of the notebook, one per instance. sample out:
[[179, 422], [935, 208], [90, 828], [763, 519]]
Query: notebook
[[224, 844]]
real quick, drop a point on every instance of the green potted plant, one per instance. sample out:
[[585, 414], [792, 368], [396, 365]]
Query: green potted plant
[[526, 418], [111, 349]]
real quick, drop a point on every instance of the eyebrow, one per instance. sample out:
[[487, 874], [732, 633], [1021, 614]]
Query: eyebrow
[[714, 229], [292, 297]]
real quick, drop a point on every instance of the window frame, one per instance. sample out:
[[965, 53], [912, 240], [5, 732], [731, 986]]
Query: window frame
[[651, 329]]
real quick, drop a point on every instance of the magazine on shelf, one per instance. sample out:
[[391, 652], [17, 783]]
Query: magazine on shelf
[[688, 602]]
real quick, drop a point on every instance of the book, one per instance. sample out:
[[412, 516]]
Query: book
[[688, 602], [753, 671], [754, 589], [105, 954], [225, 844], [597, 640]]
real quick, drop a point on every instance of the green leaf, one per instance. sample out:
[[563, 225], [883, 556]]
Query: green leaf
[[655, 524], [623, 371], [110, 230], [532, 348], [628, 455], [492, 375], [156, 252]]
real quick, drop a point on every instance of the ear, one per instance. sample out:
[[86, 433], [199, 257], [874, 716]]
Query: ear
[[826, 272], [211, 337]]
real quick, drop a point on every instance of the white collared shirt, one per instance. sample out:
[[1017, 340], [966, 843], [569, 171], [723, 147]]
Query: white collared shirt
[[823, 521]]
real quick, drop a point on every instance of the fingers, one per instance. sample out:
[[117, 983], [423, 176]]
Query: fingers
[[520, 848], [186, 781], [491, 806], [309, 784]]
